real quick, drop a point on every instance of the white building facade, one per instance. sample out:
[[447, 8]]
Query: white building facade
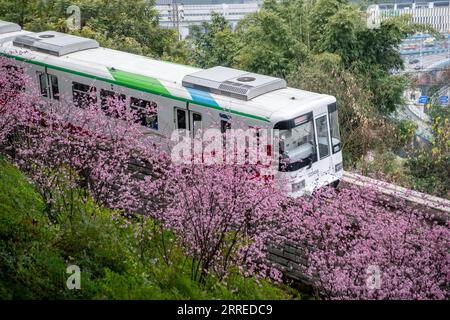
[[436, 16], [182, 16]]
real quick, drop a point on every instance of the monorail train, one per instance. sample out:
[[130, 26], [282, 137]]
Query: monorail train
[[188, 98]]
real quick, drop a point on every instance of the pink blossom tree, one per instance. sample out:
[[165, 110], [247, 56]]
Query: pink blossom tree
[[12, 96], [219, 215], [222, 216], [359, 249], [56, 142]]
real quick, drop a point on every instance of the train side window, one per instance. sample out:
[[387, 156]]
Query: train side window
[[53, 80], [180, 119], [15, 73], [146, 111], [10, 67], [322, 137], [196, 122], [83, 94], [108, 98], [43, 84], [254, 138], [225, 125]]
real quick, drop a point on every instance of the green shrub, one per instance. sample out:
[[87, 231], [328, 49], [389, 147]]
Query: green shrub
[[29, 268], [117, 260]]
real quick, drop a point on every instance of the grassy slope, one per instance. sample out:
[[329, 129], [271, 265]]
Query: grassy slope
[[34, 254]]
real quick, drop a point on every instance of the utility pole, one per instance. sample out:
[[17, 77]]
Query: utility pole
[[176, 14]]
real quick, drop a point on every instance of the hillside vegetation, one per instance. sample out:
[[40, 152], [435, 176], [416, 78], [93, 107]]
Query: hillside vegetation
[[114, 263]]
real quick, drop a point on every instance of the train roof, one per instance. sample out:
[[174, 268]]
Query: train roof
[[85, 58]]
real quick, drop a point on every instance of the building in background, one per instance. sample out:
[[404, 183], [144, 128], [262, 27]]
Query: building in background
[[436, 14], [181, 14]]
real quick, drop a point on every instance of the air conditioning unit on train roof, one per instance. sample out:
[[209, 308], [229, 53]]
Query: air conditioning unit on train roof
[[54, 43], [233, 83], [8, 27]]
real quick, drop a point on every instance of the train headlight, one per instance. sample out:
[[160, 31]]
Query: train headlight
[[337, 148], [338, 167], [298, 186]]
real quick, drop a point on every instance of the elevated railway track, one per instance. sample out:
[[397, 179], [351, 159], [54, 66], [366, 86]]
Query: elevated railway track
[[439, 205], [292, 258]]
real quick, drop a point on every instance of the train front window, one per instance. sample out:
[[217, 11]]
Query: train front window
[[297, 144], [334, 128]]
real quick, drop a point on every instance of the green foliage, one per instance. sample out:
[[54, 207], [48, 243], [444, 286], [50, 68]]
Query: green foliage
[[370, 54], [130, 25], [213, 43], [17, 11], [323, 46], [267, 46], [29, 267], [386, 166], [322, 73], [119, 258], [406, 131], [430, 168]]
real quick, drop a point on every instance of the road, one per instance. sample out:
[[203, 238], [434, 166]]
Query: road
[[432, 55], [429, 58], [405, 113], [426, 62]]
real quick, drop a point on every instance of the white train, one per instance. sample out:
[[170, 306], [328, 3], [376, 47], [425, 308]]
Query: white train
[[188, 98]]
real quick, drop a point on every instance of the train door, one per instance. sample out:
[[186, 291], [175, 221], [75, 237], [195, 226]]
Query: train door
[[336, 144], [181, 118], [187, 119], [323, 167], [196, 123], [48, 84], [189, 123]]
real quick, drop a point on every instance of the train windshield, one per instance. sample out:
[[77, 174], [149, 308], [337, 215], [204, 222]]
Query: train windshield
[[297, 145]]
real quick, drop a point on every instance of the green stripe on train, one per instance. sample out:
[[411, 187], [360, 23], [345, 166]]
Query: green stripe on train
[[136, 85], [139, 81]]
